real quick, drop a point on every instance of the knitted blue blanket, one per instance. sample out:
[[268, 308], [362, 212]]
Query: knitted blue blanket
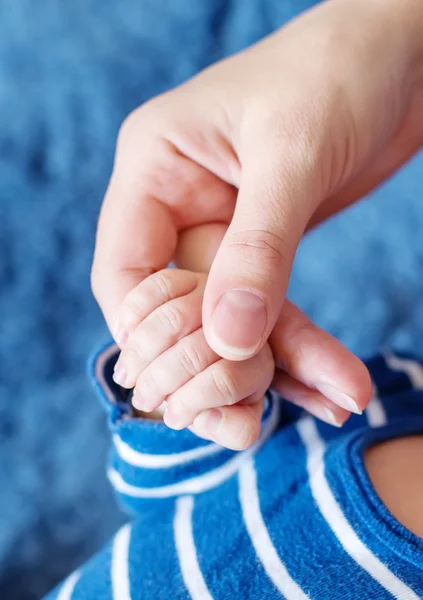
[[69, 73]]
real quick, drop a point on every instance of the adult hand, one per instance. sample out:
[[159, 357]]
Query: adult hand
[[272, 141]]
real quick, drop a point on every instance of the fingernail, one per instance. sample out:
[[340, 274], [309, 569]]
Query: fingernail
[[325, 413], [139, 402], [120, 334], [339, 398], [119, 374], [331, 418], [239, 322], [208, 421], [172, 420]]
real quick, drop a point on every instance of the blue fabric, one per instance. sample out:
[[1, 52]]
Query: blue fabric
[[69, 73], [295, 516]]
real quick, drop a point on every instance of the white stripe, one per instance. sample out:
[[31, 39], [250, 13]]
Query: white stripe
[[162, 461], [260, 538], [411, 368], [99, 370], [204, 482], [68, 586], [187, 554], [120, 564], [336, 519], [375, 412]]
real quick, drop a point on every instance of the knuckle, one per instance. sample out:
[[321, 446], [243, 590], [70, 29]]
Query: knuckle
[[190, 359], [95, 281], [181, 404], [134, 344], [148, 383], [225, 386], [296, 135], [247, 433], [135, 300], [303, 330], [300, 133], [132, 127], [171, 318], [145, 117], [296, 131], [129, 129], [133, 303], [259, 248], [162, 282], [296, 342]]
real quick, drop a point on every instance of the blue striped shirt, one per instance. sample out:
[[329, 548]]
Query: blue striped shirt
[[293, 517]]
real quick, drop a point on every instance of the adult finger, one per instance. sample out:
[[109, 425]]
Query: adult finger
[[310, 400], [319, 361], [136, 236], [155, 191], [249, 276]]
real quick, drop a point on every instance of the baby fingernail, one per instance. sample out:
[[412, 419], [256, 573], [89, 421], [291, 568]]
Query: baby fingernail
[[138, 402], [208, 421], [120, 334], [141, 403], [171, 420], [120, 374], [339, 398]]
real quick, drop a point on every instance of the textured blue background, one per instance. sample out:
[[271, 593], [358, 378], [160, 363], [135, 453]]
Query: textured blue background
[[69, 73]]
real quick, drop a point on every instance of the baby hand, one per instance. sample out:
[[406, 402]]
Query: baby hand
[[165, 357]]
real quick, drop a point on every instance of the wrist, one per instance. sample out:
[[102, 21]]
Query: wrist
[[396, 28], [418, 58], [406, 17]]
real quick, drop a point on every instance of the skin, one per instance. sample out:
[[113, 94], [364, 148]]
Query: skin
[[395, 469], [269, 142], [176, 374]]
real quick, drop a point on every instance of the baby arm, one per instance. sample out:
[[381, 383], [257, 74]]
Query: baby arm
[[167, 360]]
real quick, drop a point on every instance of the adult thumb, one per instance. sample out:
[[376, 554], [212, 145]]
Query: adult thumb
[[249, 276]]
